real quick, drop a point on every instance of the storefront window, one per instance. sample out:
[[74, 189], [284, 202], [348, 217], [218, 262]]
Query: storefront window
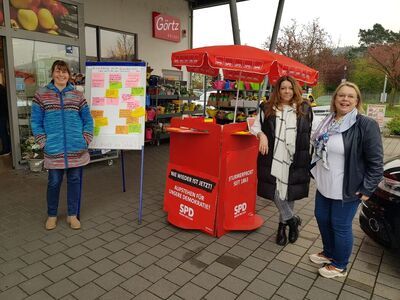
[[1, 13], [91, 43], [53, 17], [117, 45], [32, 62]]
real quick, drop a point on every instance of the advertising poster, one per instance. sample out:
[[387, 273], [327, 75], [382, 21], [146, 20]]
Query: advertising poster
[[377, 112], [116, 94], [191, 198]]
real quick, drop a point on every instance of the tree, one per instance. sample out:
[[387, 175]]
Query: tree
[[332, 67], [125, 48], [378, 35], [302, 42], [368, 79]]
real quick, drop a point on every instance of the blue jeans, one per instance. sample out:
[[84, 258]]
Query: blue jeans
[[73, 190], [334, 218]]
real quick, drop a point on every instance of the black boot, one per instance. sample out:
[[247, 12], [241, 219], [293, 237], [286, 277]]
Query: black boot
[[294, 224], [281, 238]]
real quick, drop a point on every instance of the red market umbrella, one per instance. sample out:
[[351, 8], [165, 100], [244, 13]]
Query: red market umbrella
[[242, 63]]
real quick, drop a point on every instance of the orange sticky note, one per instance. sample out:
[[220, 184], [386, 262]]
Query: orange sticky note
[[131, 120], [97, 113], [121, 129], [124, 113]]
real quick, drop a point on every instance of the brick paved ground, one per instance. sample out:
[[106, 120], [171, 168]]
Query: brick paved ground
[[113, 257]]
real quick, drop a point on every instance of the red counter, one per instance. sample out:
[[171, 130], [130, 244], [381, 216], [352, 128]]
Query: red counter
[[211, 177]]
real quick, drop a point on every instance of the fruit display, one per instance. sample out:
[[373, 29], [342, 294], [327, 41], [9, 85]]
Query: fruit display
[[49, 16]]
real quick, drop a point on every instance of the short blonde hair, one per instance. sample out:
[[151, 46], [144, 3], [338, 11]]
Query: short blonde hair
[[353, 86]]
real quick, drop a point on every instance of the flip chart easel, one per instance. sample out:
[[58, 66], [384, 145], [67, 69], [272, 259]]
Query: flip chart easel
[[116, 94]]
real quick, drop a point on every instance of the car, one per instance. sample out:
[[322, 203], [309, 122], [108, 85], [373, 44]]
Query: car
[[320, 112], [379, 215]]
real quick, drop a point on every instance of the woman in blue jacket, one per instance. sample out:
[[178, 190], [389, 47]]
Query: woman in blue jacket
[[348, 158], [63, 126]]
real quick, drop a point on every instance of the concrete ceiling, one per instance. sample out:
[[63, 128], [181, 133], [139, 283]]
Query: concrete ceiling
[[196, 4]]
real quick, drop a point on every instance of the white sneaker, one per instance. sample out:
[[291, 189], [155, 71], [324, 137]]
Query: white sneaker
[[319, 258], [330, 271]]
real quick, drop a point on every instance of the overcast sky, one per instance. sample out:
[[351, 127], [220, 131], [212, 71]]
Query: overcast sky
[[342, 19]]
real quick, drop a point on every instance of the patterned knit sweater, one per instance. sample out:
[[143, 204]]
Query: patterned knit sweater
[[62, 125]]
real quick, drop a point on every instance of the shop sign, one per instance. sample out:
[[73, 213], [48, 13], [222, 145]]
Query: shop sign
[[166, 27]]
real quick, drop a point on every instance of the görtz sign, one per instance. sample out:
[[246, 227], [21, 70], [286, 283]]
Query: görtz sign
[[166, 27]]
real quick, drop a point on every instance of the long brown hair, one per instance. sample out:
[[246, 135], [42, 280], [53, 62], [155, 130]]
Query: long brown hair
[[275, 98]]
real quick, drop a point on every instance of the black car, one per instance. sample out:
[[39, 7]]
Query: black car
[[380, 214]]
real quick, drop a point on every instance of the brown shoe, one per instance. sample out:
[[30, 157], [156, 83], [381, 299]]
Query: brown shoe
[[51, 223], [73, 222]]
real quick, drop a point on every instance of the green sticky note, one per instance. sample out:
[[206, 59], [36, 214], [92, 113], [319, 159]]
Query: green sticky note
[[135, 128], [96, 131], [137, 91], [115, 85]]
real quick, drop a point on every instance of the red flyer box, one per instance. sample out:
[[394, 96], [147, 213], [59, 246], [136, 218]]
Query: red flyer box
[[211, 177]]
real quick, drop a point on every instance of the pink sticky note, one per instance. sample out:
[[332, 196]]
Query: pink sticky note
[[98, 80], [112, 101], [126, 97], [132, 104], [115, 77], [132, 79], [97, 101]]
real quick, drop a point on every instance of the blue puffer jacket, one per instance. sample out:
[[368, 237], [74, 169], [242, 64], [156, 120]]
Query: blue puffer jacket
[[62, 125]]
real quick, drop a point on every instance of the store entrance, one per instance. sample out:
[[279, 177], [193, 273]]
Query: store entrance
[[5, 136]]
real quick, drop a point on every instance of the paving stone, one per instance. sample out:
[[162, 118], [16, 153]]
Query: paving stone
[[115, 246], [217, 248], [240, 251], [146, 296], [218, 270], [372, 259], [345, 295], [117, 293], [56, 260], [280, 267], [389, 269], [76, 251], [11, 280], [12, 254], [357, 291], [359, 285], [110, 236], [128, 269], [163, 288], [229, 260], [73, 240], [271, 277], [185, 235], [14, 293], [361, 277], [366, 267], [34, 245], [291, 292], [61, 288], [233, 284], [137, 248], [88, 234], [164, 233], [246, 295], [191, 291], [136, 284], [98, 254], [94, 243], [58, 273], [172, 243], [41, 295], [244, 273], [153, 273], [206, 281], [35, 284], [389, 280], [227, 241], [88, 292], [130, 238], [79, 263], [55, 248], [103, 266], [168, 263], [144, 231], [219, 293], [317, 294], [12, 266], [34, 269], [206, 257], [194, 245], [288, 257], [83, 277], [109, 280], [264, 254], [386, 291], [105, 227], [121, 256], [179, 276], [34, 256], [262, 288], [254, 263]]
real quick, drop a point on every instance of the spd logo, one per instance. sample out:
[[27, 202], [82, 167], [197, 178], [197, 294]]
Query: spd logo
[[186, 211], [239, 209]]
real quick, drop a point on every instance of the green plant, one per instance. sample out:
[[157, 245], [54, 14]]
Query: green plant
[[31, 149], [394, 126]]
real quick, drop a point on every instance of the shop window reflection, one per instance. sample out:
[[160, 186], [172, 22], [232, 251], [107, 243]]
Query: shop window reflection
[[1, 13], [117, 46], [32, 63]]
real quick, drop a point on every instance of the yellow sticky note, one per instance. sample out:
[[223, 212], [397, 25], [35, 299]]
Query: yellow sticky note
[[97, 113], [137, 91], [124, 113], [115, 85], [131, 120], [112, 93], [96, 131], [138, 112], [101, 121], [121, 129], [135, 128]]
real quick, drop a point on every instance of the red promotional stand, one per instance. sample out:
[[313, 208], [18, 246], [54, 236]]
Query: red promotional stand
[[211, 177]]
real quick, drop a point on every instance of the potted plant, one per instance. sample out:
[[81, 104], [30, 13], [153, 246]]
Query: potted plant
[[32, 152]]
